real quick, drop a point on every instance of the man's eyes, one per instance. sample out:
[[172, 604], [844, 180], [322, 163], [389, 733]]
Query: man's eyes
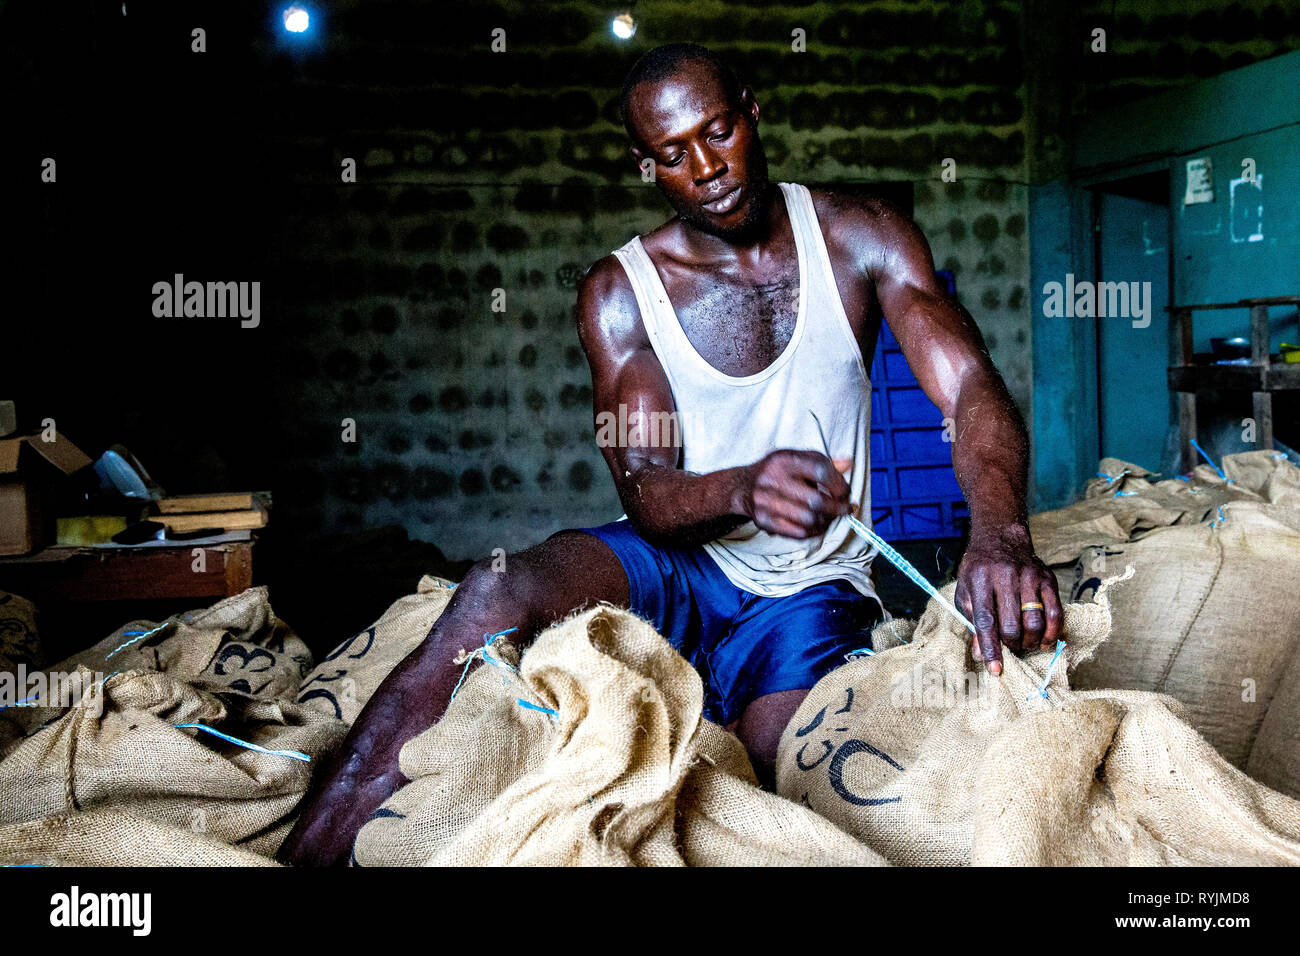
[[713, 138]]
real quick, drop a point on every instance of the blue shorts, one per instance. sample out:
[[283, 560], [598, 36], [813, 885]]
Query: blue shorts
[[744, 646]]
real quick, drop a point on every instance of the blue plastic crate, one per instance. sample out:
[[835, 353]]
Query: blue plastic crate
[[908, 405], [883, 522], [920, 445], [914, 493], [927, 482], [895, 367]]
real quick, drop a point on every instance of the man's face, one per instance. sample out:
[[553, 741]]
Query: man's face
[[709, 161]]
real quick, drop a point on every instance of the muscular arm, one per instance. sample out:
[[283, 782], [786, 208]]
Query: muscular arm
[[990, 451], [780, 493]]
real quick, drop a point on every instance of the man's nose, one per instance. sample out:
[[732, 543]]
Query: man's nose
[[708, 165]]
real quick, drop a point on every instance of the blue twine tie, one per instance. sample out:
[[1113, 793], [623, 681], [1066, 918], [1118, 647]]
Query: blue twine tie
[[488, 640], [140, 636], [1047, 677], [897, 560], [294, 754], [482, 652], [545, 710], [20, 703], [1197, 446]]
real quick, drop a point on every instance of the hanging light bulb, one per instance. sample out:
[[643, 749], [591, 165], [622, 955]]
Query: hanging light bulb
[[623, 25], [296, 19]]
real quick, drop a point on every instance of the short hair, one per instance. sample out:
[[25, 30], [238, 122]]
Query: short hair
[[663, 61]]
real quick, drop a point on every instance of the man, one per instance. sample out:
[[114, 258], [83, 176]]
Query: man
[[753, 316]]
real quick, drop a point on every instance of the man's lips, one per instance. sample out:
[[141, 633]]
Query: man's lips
[[724, 203]]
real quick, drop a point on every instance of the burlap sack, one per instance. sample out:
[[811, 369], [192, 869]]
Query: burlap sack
[[345, 678], [1124, 502], [115, 838], [1211, 617], [123, 751], [19, 644], [616, 767], [237, 644], [19, 640], [1275, 756], [929, 763]]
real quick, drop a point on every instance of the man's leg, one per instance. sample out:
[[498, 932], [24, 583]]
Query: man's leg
[[778, 649], [760, 727], [538, 587]]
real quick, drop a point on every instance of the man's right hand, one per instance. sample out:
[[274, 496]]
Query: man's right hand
[[795, 494]]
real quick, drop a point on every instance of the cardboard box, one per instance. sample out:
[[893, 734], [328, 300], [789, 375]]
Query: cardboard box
[[30, 468]]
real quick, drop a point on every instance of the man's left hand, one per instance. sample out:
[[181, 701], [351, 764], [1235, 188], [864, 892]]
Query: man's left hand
[[1008, 594]]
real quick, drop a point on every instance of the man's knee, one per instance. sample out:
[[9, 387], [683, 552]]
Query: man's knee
[[489, 590], [760, 728], [550, 580]]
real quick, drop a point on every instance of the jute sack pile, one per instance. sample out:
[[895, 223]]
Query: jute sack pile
[[113, 757], [927, 765], [1211, 617], [236, 644], [120, 748], [1125, 502], [594, 751], [344, 680]]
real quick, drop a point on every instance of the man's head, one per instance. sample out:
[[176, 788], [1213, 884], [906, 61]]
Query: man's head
[[684, 109]]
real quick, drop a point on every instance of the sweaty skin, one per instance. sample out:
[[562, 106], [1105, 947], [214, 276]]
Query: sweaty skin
[[732, 277]]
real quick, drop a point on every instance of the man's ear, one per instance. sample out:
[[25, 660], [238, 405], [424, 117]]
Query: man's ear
[[639, 157], [749, 105]]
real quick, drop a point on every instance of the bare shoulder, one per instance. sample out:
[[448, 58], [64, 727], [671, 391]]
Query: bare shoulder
[[663, 241], [851, 216], [607, 313], [873, 233]]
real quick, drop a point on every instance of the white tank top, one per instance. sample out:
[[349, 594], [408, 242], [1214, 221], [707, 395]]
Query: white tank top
[[727, 421]]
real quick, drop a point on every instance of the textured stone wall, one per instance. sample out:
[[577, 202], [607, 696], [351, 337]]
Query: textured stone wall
[[1155, 44]]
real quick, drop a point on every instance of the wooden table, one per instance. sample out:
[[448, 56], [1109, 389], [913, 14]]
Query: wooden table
[[84, 574], [1262, 377]]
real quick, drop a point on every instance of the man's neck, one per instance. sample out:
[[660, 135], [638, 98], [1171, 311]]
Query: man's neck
[[700, 246]]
